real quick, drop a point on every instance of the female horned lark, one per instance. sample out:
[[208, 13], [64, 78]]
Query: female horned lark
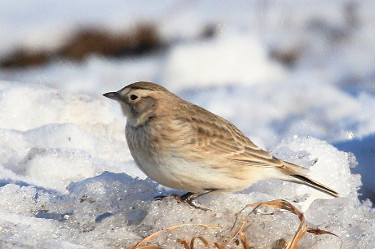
[[185, 147]]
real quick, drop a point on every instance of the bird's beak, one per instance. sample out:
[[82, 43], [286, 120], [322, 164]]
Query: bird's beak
[[112, 95]]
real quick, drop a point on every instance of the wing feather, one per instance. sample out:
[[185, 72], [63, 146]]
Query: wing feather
[[217, 137]]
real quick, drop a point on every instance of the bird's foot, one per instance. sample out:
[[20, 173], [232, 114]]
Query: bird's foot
[[188, 198]]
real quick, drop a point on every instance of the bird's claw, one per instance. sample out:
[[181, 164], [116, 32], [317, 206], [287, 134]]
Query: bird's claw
[[186, 198]]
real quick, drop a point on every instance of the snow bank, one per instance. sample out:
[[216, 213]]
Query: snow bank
[[67, 181], [216, 62], [51, 133]]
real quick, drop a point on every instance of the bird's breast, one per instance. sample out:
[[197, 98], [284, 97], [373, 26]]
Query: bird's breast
[[155, 153], [147, 149]]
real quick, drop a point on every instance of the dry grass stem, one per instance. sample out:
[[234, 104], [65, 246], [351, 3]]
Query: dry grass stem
[[172, 228], [239, 238]]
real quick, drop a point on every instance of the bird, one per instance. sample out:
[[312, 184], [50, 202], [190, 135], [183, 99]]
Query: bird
[[185, 147]]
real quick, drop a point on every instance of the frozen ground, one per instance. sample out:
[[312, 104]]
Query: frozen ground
[[67, 179]]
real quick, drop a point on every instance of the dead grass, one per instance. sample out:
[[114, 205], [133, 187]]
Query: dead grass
[[139, 40], [25, 58], [239, 239]]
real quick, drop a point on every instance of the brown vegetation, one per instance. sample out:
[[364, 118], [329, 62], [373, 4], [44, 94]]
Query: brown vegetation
[[144, 38]]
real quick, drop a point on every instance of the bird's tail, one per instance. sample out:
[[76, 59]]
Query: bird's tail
[[296, 175]]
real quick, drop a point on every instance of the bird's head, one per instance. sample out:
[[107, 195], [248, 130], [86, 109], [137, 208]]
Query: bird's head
[[139, 101]]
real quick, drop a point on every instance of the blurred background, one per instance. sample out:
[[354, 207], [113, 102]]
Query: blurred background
[[276, 69]]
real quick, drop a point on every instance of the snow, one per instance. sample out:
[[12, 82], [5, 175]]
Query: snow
[[364, 150], [67, 179], [216, 63], [117, 209]]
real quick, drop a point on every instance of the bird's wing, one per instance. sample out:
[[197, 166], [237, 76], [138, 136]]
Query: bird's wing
[[216, 137]]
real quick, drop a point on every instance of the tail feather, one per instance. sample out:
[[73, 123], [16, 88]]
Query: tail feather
[[314, 184], [298, 177]]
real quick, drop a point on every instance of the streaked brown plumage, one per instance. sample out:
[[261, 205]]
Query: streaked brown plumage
[[185, 147]]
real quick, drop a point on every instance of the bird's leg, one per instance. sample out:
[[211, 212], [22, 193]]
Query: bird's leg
[[190, 197]]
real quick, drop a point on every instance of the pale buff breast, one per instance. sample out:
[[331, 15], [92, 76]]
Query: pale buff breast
[[150, 155]]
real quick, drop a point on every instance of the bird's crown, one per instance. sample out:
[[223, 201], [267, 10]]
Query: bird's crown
[[146, 86]]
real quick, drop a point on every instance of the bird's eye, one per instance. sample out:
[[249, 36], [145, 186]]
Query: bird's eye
[[133, 97]]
